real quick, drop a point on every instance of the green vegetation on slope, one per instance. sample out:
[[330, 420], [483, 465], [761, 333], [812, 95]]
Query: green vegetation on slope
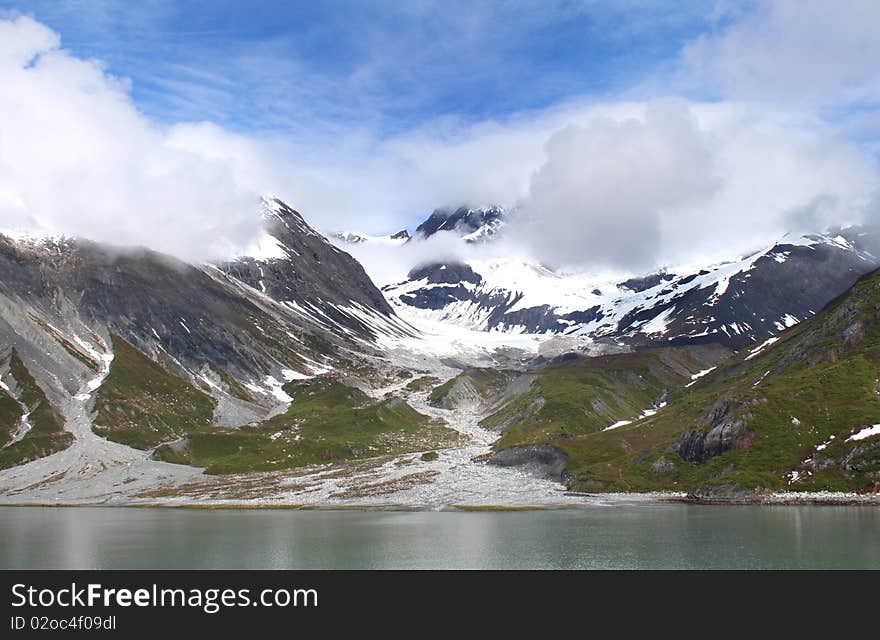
[[141, 404], [471, 384], [327, 421], [46, 435], [583, 396], [10, 416], [783, 415]]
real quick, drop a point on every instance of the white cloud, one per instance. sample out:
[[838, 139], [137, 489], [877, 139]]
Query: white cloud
[[76, 157], [631, 186], [598, 183], [687, 181], [793, 50], [602, 193]]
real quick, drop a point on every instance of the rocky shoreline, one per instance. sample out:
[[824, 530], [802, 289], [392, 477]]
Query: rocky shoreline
[[571, 500], [791, 498]]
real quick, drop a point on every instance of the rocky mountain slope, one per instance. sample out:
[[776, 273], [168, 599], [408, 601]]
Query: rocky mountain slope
[[29, 426], [172, 347]]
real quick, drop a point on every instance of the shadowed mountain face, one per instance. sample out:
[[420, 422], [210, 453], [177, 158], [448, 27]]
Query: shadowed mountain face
[[306, 267], [301, 307]]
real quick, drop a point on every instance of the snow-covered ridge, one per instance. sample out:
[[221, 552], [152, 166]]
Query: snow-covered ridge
[[714, 301]]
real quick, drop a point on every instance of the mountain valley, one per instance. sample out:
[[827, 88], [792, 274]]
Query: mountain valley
[[288, 377]]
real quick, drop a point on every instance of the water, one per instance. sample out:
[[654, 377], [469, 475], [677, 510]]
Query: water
[[631, 537]]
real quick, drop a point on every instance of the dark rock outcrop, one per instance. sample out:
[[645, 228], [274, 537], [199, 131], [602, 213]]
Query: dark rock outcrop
[[699, 446], [730, 493], [445, 273], [542, 460], [861, 458], [646, 282]]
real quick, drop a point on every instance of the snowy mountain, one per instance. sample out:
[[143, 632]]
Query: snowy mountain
[[128, 376], [473, 224], [734, 303], [469, 223], [116, 362]]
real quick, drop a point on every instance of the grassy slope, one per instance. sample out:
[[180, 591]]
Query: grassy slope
[[141, 404], [327, 421], [10, 416], [46, 436], [819, 380], [583, 396]]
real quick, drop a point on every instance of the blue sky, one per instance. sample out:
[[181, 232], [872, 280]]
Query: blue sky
[[286, 66], [677, 128]]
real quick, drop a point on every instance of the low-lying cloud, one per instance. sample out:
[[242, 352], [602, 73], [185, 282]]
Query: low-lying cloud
[[684, 181], [601, 195]]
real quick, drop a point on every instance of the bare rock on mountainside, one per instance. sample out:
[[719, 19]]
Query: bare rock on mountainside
[[542, 460]]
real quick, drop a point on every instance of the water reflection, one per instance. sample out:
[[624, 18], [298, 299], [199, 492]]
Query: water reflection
[[645, 536]]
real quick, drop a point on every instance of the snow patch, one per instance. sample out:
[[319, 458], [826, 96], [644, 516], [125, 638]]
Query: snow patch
[[619, 423], [761, 347], [659, 323], [700, 374], [290, 374], [267, 247], [867, 432]]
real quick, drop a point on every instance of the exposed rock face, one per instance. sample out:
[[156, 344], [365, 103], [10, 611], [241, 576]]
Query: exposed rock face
[[853, 335], [861, 457], [719, 409], [733, 493], [699, 446], [542, 460], [646, 282], [817, 464], [445, 273]]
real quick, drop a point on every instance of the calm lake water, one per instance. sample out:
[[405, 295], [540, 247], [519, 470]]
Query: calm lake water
[[632, 537]]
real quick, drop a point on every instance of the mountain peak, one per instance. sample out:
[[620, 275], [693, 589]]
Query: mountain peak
[[465, 221]]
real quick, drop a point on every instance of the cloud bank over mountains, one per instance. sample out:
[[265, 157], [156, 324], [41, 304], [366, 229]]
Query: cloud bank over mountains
[[763, 126]]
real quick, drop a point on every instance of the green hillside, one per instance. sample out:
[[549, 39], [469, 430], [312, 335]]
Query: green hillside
[[782, 417]]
